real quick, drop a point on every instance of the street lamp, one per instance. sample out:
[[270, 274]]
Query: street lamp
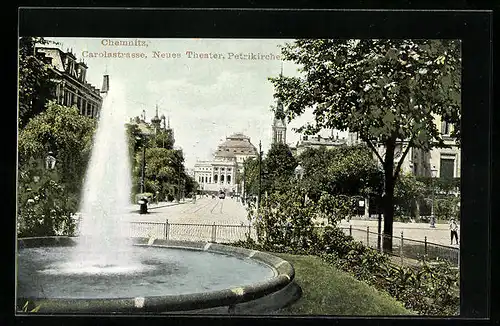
[[260, 176], [433, 175], [143, 168]]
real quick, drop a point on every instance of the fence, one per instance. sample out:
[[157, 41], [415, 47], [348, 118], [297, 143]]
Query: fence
[[192, 232], [409, 251], [404, 250]]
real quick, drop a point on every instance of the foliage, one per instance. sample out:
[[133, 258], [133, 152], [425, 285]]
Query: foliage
[[340, 171], [406, 193], [337, 207], [387, 91], [428, 289], [67, 134], [279, 166], [251, 176], [286, 218], [447, 207], [44, 206], [36, 86]]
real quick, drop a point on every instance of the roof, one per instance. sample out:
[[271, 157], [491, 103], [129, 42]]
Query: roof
[[238, 136]]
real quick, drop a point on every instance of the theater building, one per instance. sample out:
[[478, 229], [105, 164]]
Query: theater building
[[220, 173]]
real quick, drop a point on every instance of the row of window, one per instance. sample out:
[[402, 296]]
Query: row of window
[[68, 98], [215, 169], [205, 179]]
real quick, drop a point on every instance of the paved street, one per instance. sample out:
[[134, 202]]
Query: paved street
[[225, 212], [194, 221], [205, 211]]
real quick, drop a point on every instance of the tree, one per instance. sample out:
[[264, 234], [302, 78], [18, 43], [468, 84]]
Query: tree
[[345, 170], [407, 192], [387, 91], [279, 166], [36, 85], [251, 175], [67, 134]]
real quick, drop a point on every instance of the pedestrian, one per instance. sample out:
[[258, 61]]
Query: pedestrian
[[454, 230]]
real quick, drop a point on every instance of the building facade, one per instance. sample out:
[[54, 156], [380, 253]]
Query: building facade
[[72, 87], [438, 162], [318, 141], [220, 173]]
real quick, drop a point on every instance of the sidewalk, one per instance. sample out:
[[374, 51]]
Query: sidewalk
[[162, 204]]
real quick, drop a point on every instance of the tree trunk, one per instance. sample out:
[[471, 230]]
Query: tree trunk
[[388, 200]]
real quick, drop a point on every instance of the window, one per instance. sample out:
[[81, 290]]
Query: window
[[222, 179], [447, 168], [445, 128], [228, 179], [215, 178]]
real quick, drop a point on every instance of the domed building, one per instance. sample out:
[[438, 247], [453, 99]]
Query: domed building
[[237, 146], [219, 174]]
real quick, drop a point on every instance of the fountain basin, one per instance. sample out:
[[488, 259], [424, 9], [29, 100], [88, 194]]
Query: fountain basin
[[180, 277]]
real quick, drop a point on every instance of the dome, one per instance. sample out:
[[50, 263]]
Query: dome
[[236, 144]]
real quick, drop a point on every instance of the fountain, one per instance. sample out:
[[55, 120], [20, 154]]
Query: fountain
[[103, 270]]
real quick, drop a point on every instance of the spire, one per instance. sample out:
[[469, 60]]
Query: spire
[[168, 124], [105, 84], [156, 116], [281, 73]]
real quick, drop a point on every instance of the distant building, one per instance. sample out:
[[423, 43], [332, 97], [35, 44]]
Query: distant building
[[219, 174], [318, 141]]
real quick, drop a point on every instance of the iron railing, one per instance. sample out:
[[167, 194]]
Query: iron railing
[[405, 251], [409, 251], [192, 232]]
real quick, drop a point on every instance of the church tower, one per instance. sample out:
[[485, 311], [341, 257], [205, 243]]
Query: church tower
[[156, 120], [279, 125]]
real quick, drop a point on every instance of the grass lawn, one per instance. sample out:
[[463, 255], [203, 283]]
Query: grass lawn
[[329, 291]]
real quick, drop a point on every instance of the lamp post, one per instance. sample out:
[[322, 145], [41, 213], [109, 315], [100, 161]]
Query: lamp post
[[143, 165], [179, 185], [260, 176], [243, 192], [433, 175]]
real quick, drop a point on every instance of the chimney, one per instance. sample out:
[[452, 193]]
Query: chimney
[[105, 84]]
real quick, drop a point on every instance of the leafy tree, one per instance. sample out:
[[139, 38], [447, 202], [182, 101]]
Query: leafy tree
[[407, 192], [336, 207], [36, 86], [279, 166], [387, 91], [67, 134], [286, 219], [251, 176], [340, 171], [164, 139]]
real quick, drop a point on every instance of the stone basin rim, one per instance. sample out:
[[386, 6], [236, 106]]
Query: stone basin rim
[[283, 275]]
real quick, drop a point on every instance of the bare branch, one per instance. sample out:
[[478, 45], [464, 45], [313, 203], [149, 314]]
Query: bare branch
[[398, 167], [372, 147]]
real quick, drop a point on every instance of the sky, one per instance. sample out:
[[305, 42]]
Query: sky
[[206, 98]]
